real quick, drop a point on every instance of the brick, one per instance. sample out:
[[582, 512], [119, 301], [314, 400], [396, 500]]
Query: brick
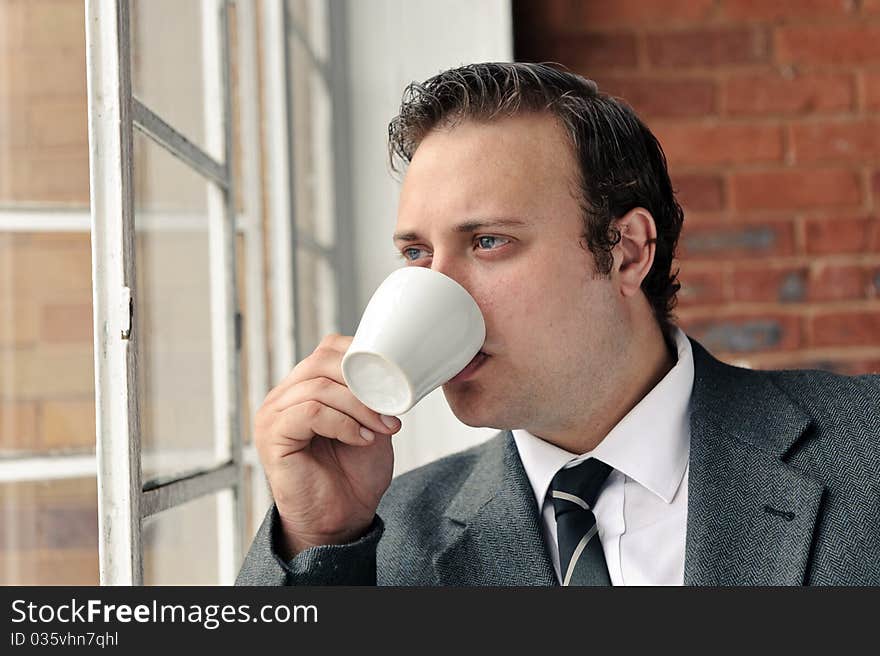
[[55, 528], [687, 143], [700, 288], [69, 492], [48, 72], [59, 123], [778, 284], [871, 7], [11, 177], [795, 189], [856, 328], [751, 95], [60, 263], [828, 44], [853, 140], [783, 10], [18, 321], [833, 363], [50, 566], [68, 425], [872, 89], [52, 241], [709, 47], [855, 367], [12, 27], [657, 97], [826, 236], [47, 175], [842, 282], [56, 24], [14, 119], [18, 427], [66, 323], [746, 334], [600, 14], [72, 371], [701, 193], [742, 240], [584, 54], [875, 186]]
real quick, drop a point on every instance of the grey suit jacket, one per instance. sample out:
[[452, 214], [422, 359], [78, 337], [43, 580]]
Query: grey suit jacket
[[784, 489]]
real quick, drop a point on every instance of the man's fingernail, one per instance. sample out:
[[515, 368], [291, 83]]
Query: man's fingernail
[[391, 422], [367, 434]]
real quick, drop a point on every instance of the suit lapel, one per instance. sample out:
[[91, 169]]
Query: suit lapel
[[751, 516], [495, 530]]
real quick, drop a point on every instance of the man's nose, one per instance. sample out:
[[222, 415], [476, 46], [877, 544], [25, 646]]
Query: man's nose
[[450, 267]]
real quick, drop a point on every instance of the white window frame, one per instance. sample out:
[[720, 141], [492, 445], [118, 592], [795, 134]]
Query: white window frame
[[123, 500]]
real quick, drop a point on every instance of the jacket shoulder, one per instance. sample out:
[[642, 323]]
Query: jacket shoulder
[[832, 397]]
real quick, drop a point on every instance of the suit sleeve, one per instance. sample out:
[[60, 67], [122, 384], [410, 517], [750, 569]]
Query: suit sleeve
[[339, 564]]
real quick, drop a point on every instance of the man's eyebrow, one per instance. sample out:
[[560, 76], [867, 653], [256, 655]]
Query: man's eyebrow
[[468, 226]]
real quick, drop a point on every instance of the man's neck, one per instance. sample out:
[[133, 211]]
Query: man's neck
[[642, 372]]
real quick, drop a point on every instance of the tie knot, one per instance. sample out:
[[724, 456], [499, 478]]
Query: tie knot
[[578, 486]]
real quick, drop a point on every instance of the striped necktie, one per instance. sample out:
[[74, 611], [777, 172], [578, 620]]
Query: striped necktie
[[574, 492]]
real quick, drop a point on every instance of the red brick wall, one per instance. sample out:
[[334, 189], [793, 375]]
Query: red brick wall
[[769, 113]]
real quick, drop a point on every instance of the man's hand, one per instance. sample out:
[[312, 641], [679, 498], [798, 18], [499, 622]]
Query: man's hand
[[327, 456]]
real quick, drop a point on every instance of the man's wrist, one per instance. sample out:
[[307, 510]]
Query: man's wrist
[[290, 543]]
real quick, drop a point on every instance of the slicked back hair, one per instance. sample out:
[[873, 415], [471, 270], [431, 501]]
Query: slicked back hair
[[621, 163]]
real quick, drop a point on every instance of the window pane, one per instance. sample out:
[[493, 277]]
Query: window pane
[[166, 63], [312, 122], [173, 314], [257, 499], [44, 151], [244, 378], [180, 544], [316, 311], [49, 532], [47, 378]]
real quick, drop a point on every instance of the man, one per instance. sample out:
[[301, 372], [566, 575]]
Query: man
[[628, 455]]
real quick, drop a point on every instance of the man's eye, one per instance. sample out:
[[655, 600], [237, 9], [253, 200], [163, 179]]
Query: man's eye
[[488, 241], [411, 253]]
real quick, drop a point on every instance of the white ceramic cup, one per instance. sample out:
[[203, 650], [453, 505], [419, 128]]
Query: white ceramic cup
[[419, 330]]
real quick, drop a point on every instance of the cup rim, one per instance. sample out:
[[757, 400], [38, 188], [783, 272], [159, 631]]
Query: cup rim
[[410, 392]]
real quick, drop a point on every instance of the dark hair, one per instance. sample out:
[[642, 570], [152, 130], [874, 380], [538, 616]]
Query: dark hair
[[622, 165]]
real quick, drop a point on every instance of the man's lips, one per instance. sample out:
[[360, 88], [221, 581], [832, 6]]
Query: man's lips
[[471, 368]]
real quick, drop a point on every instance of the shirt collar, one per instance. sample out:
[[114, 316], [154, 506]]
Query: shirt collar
[[650, 444]]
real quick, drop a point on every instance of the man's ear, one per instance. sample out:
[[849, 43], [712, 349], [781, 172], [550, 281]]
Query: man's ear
[[634, 254]]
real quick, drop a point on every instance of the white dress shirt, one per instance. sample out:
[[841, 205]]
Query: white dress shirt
[[641, 511]]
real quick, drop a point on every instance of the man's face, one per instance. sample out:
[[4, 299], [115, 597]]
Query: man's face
[[495, 207]]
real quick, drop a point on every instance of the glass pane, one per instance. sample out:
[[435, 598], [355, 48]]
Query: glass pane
[[44, 148], [167, 63], [316, 311], [49, 532], [244, 377], [312, 122], [249, 529], [257, 500], [235, 104], [47, 378], [173, 314], [181, 544]]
